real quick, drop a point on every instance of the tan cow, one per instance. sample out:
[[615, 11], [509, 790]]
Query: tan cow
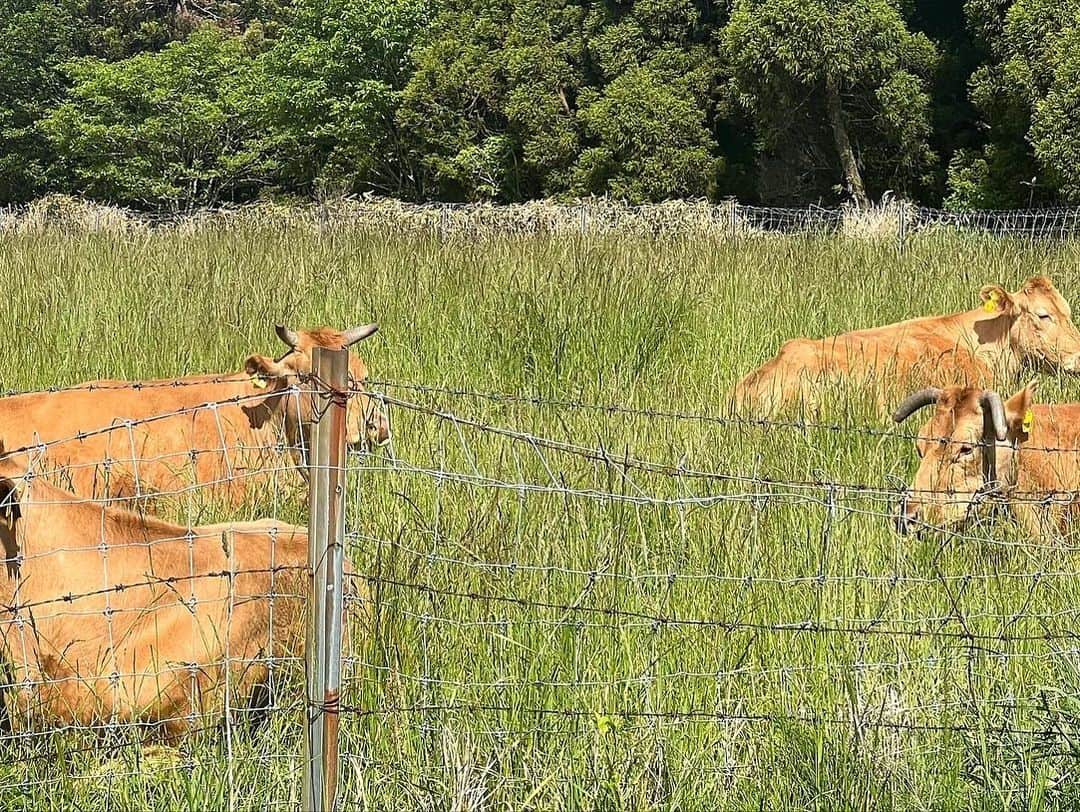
[[976, 444], [221, 450], [973, 348], [111, 616]]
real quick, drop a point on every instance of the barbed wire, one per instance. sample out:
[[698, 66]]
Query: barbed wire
[[749, 581], [616, 461], [869, 627], [697, 715], [729, 420]]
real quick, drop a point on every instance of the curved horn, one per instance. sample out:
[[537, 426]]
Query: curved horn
[[290, 337], [912, 403], [350, 337], [991, 402]]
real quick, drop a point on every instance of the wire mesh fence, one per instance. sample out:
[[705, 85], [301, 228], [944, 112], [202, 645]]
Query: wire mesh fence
[[893, 219], [547, 608], [546, 596], [149, 626]]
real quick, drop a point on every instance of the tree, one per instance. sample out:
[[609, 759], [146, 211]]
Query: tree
[[846, 72], [331, 89], [646, 126], [35, 39], [1027, 96], [491, 105], [174, 128], [1055, 120], [651, 142]]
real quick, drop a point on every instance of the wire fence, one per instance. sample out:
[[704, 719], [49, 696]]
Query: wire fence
[[893, 219], [545, 595]]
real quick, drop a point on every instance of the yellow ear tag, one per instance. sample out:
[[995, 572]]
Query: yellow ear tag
[[257, 382], [1029, 421], [991, 304]]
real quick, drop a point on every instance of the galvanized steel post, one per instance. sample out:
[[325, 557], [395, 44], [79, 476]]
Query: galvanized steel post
[[326, 555]]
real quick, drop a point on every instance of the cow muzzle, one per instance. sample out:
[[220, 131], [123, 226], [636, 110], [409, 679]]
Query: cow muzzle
[[376, 431], [907, 517], [1071, 363]]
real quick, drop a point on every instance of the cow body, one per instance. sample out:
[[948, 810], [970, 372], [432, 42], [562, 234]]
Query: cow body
[[175, 439], [971, 348], [111, 616], [214, 435]]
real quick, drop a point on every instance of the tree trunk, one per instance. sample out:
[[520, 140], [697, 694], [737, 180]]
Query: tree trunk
[[843, 144]]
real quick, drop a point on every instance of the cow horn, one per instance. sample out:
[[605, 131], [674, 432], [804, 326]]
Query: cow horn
[[290, 337], [350, 337], [912, 403], [992, 401]]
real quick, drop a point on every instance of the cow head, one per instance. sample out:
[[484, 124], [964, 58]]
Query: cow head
[[960, 456], [366, 422], [1041, 328]]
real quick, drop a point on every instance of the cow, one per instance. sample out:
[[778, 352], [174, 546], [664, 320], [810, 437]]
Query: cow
[[111, 616], [974, 348], [977, 444], [219, 434]]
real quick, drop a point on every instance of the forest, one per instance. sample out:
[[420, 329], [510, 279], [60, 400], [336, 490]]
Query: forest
[[179, 104]]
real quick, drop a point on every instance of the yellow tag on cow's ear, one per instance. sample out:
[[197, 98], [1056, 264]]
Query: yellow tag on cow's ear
[[257, 382], [1029, 421], [991, 304]]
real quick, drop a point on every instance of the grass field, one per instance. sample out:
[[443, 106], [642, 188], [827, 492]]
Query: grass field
[[910, 673]]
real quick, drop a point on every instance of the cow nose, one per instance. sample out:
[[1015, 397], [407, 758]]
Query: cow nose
[[379, 429], [902, 525]]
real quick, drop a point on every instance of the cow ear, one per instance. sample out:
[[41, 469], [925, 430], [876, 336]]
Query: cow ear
[[997, 300], [263, 369], [1039, 284], [1018, 411]]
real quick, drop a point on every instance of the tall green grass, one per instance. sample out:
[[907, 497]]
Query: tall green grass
[[549, 685]]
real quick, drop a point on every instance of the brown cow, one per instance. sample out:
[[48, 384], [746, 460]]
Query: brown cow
[[976, 444], [86, 442], [111, 616], [972, 348]]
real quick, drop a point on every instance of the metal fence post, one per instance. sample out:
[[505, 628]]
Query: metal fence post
[[326, 553]]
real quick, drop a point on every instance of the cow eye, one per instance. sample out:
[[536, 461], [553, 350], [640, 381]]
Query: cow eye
[[1045, 317], [965, 450]]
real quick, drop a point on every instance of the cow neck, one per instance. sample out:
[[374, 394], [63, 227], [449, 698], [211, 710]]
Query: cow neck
[[990, 339]]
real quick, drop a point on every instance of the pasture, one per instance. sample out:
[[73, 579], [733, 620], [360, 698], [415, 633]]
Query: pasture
[[694, 614]]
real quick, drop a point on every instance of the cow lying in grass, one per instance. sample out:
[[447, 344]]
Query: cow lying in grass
[[973, 348], [221, 449], [975, 444], [113, 616]]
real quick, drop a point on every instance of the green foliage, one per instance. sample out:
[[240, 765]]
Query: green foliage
[[330, 89], [1026, 94], [173, 128], [775, 101], [489, 105], [651, 141], [781, 53], [1055, 121], [36, 37], [509, 100]]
